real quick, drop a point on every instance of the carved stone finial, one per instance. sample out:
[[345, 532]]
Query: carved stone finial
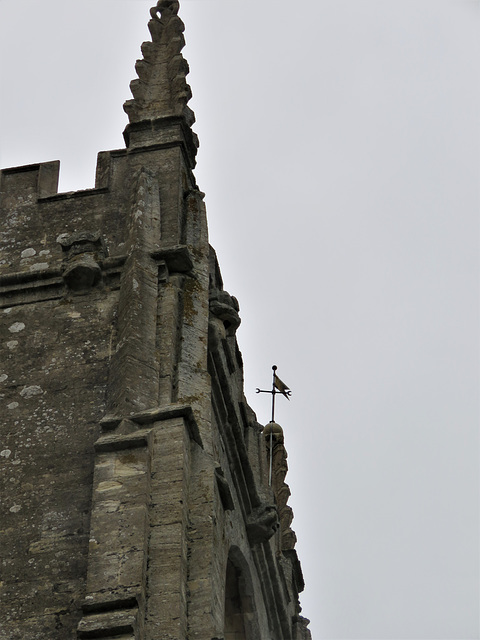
[[275, 431], [161, 90]]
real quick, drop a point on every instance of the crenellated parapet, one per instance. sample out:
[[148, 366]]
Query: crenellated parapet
[[30, 181]]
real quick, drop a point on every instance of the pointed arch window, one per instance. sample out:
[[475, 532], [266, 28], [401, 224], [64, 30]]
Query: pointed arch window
[[240, 613], [234, 607]]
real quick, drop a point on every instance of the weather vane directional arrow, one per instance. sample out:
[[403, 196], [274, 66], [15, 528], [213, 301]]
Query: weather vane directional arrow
[[277, 387]]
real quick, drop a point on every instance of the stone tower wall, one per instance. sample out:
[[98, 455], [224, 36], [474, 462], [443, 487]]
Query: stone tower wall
[[135, 501]]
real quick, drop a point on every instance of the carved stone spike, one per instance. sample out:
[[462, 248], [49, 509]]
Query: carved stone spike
[[142, 67], [148, 50]]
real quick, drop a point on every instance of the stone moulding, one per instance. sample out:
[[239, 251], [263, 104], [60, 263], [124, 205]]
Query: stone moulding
[[185, 411], [25, 287], [162, 133], [120, 442], [109, 625]]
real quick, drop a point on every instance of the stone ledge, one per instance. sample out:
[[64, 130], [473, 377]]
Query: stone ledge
[[23, 287], [102, 602], [119, 442], [162, 133], [67, 195], [157, 414], [178, 258], [108, 624], [27, 277]]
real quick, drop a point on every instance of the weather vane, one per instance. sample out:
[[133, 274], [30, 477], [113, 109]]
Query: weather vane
[[277, 387]]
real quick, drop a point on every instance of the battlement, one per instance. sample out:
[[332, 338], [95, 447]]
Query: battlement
[[29, 183], [40, 180]]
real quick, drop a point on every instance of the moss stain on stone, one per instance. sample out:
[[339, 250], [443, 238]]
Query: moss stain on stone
[[191, 290]]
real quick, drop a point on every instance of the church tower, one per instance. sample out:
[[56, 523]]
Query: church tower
[[135, 493]]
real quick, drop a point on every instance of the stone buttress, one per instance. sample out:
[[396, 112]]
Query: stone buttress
[[135, 501]]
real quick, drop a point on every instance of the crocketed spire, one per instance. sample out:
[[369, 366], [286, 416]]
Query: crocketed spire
[[161, 90]]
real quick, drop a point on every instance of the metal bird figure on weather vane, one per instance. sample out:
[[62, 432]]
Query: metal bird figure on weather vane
[[277, 387]]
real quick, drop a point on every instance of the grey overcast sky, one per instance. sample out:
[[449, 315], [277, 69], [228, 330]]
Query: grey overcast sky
[[340, 155]]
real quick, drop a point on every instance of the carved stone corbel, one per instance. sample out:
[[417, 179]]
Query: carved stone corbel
[[83, 253]]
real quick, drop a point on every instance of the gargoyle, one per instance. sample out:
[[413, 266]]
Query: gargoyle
[[262, 523], [226, 308]]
